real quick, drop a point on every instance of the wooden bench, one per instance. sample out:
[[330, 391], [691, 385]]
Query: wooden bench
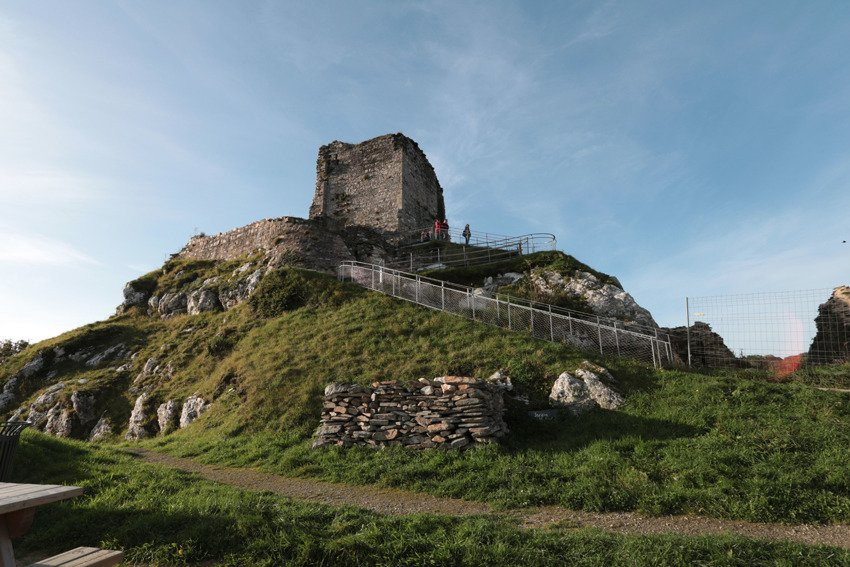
[[83, 557]]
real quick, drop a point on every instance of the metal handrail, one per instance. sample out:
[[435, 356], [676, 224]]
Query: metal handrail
[[607, 324], [482, 252]]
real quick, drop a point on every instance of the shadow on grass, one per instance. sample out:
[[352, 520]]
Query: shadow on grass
[[569, 433]]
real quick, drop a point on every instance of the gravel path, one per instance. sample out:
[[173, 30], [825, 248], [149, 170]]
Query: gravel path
[[395, 501]]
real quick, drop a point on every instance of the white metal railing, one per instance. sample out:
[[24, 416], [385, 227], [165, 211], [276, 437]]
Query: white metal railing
[[451, 249], [609, 337]]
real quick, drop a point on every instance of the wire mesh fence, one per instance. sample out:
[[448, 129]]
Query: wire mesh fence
[[588, 332], [778, 331]]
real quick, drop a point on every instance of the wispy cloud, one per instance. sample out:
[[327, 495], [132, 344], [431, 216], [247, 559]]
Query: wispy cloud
[[19, 248]]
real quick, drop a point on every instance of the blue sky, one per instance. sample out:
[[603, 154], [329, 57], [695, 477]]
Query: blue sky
[[689, 148]]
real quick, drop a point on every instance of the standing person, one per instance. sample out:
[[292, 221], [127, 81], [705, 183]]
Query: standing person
[[436, 229], [466, 234], [444, 229]]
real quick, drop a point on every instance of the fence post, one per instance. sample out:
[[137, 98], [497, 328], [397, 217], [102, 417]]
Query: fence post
[[652, 348], [372, 271], [688, 328], [551, 325], [599, 332], [416, 295], [570, 320], [472, 300], [411, 261], [531, 318], [438, 255], [443, 294], [617, 338], [509, 312]]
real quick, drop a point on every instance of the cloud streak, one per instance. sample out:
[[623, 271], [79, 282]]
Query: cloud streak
[[28, 249]]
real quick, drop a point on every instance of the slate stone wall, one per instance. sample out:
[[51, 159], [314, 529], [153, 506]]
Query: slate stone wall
[[449, 412]]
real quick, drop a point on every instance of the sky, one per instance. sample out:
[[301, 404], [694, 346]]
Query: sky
[[688, 148]]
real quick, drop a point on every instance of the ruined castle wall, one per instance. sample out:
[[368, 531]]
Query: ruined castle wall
[[290, 240], [386, 183], [359, 184], [422, 199]]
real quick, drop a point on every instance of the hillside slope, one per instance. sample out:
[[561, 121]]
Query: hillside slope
[[732, 446]]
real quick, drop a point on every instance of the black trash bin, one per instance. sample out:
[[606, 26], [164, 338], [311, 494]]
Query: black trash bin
[[10, 432]]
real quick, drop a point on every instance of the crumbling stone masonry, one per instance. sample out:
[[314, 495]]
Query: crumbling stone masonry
[[386, 183], [448, 412]]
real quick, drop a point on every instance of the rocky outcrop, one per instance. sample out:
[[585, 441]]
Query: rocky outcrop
[[604, 299], [192, 410], [707, 347], [101, 430], [831, 344], [234, 294], [10, 388], [449, 412], [84, 406], [42, 404], [136, 426], [586, 388], [171, 304], [136, 294], [202, 300], [59, 421], [166, 415]]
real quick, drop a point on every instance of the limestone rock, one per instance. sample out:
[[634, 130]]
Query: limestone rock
[[166, 415], [597, 380], [135, 427], [202, 300], [501, 378], [42, 404], [101, 430], [586, 388], [84, 406], [134, 296], [112, 353], [572, 394], [172, 304], [10, 388], [59, 421], [604, 299], [240, 291], [192, 410], [153, 305]]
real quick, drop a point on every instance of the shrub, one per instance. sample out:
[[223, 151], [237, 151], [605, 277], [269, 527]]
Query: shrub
[[280, 291]]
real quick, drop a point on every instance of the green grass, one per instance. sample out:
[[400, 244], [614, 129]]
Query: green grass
[[725, 445], [159, 516]]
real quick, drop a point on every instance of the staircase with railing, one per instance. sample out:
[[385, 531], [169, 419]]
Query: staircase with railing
[[586, 331], [426, 249]]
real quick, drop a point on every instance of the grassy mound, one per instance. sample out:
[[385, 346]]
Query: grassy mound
[[734, 446]]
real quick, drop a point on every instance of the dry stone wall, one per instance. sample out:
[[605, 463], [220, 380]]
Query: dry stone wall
[[449, 412]]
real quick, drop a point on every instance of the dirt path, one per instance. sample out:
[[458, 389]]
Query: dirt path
[[395, 501]]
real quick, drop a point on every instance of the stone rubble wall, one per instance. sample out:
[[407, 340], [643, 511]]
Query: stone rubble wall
[[448, 412], [284, 237]]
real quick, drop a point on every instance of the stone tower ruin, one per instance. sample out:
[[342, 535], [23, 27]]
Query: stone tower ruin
[[385, 183]]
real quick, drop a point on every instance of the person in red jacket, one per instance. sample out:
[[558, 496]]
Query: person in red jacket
[[444, 229], [436, 229]]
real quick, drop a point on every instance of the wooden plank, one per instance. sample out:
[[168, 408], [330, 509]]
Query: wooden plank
[[64, 558], [103, 558], [36, 495], [83, 557]]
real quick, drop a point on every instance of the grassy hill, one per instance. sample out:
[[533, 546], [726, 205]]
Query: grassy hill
[[725, 445]]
